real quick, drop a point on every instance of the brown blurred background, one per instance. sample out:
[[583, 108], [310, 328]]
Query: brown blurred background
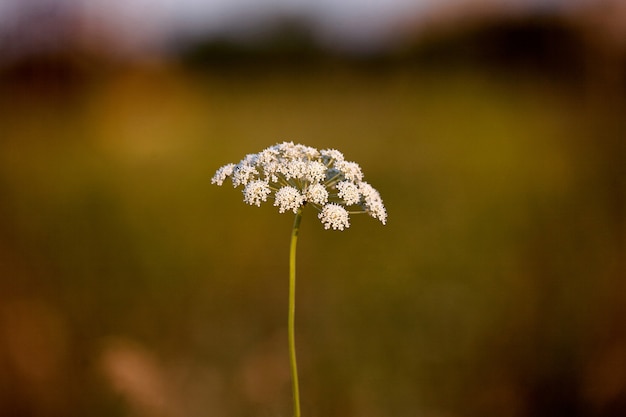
[[494, 130]]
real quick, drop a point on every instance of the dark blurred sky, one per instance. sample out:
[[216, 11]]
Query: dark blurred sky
[[141, 24]]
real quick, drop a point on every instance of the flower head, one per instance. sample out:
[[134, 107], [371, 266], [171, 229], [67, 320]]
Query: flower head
[[316, 194], [223, 173], [349, 192], [288, 198], [255, 192], [294, 175], [335, 216]]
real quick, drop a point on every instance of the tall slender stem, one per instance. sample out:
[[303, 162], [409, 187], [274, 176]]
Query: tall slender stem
[[292, 313]]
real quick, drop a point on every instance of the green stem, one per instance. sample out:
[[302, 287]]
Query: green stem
[[292, 313]]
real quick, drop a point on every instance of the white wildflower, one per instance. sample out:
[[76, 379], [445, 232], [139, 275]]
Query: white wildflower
[[348, 192], [335, 216], [288, 198], [255, 192], [295, 174], [316, 194]]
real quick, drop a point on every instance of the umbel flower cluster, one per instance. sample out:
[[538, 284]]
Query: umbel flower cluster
[[295, 175]]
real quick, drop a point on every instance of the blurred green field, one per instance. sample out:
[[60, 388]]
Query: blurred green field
[[129, 285]]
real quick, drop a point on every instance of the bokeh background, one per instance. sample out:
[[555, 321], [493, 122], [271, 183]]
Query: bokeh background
[[494, 130]]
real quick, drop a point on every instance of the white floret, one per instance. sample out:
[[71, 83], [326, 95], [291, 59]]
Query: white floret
[[288, 198], [243, 173], [308, 152], [335, 216], [331, 155], [316, 194], [256, 192], [372, 202], [289, 150], [348, 192], [368, 191], [315, 171], [267, 156], [294, 169], [250, 159], [350, 170], [377, 210], [222, 173], [271, 170]]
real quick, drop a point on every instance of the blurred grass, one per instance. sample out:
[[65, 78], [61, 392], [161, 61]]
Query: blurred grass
[[494, 289]]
